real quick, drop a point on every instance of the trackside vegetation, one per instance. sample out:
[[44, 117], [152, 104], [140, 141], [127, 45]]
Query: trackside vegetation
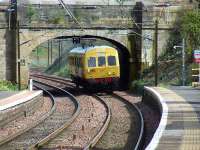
[[7, 86], [187, 26]]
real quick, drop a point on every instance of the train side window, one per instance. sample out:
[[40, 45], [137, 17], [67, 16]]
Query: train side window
[[78, 62], [81, 63], [91, 62], [111, 61], [101, 61], [70, 61]]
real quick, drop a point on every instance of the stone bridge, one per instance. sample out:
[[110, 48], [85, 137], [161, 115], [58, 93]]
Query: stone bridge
[[122, 38], [113, 23]]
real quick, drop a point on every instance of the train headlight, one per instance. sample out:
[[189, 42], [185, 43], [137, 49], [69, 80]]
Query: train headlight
[[109, 73], [88, 70]]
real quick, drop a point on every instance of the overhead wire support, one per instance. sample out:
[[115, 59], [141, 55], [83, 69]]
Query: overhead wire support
[[156, 53], [70, 13]]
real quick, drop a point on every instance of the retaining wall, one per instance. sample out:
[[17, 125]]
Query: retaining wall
[[21, 110], [154, 99]]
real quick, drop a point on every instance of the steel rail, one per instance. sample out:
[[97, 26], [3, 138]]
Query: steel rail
[[98, 136], [64, 126], [54, 79], [34, 124], [141, 133]]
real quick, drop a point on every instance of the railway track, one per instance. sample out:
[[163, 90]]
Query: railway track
[[28, 122], [61, 117], [83, 133], [96, 127], [57, 80], [125, 128]]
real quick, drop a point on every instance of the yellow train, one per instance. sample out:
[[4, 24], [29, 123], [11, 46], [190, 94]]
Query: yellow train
[[96, 66]]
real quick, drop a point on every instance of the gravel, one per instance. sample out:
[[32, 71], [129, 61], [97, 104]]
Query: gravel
[[123, 130], [85, 126], [150, 115], [22, 123], [63, 112]]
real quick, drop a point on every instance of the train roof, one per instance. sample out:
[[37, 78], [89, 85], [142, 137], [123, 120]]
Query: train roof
[[81, 50]]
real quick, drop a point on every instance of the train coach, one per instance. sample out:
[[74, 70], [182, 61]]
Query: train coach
[[94, 67]]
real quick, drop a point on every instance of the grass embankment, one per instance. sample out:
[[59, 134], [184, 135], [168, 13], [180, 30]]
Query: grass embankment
[[7, 86], [59, 67]]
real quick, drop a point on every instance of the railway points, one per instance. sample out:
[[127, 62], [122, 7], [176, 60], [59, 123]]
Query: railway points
[[87, 128], [127, 96], [179, 122]]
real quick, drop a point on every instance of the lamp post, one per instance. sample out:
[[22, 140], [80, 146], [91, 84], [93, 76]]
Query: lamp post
[[156, 52], [183, 60], [9, 17]]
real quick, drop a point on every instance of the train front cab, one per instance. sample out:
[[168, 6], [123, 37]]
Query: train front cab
[[102, 68]]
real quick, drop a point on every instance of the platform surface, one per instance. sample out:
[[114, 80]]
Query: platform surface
[[182, 130], [9, 100], [5, 94]]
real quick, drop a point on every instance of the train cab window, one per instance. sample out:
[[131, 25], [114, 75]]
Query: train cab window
[[111, 61], [91, 62], [101, 61]]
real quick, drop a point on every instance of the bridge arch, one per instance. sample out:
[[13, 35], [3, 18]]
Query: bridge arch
[[31, 39]]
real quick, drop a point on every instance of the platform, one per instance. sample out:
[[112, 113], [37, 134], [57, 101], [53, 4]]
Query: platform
[[180, 125], [18, 104], [11, 99], [5, 94]]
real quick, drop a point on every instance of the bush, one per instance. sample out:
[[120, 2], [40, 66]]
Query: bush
[[56, 17], [7, 86], [32, 14], [63, 72], [138, 85]]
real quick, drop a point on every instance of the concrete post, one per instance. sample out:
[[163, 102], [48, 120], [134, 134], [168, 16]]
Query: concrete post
[[31, 85]]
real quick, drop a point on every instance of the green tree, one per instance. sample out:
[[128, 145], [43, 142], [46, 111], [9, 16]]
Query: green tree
[[56, 17], [31, 13], [190, 29]]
